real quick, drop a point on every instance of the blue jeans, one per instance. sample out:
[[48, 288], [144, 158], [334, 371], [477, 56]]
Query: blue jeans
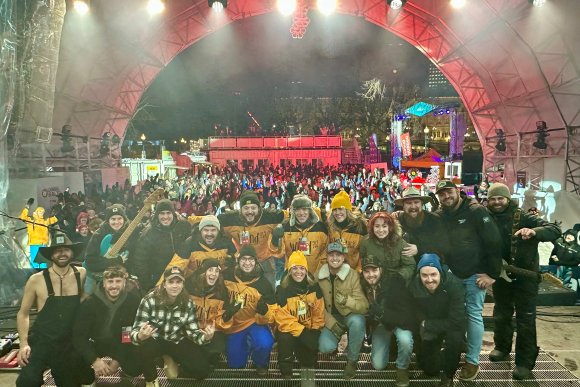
[[256, 340], [474, 297], [355, 324], [381, 343]]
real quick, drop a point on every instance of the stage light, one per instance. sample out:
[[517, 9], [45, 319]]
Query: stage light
[[542, 134], [537, 3], [155, 7], [326, 7], [396, 4], [457, 3], [81, 7], [286, 7], [500, 146], [217, 5]]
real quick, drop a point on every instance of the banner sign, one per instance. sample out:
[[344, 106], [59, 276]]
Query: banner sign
[[406, 144]]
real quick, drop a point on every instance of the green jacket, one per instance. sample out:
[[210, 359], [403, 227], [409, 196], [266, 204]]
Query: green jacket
[[391, 257]]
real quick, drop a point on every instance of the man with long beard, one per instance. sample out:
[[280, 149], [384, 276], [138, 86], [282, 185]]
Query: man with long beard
[[423, 230], [521, 234], [56, 292]]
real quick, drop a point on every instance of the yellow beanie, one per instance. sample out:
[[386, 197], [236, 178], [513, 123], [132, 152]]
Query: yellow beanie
[[341, 200], [297, 258]]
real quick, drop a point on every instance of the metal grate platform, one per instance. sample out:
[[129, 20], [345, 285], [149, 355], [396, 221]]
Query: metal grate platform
[[548, 373]]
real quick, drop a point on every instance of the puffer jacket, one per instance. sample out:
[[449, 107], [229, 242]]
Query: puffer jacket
[[37, 231]]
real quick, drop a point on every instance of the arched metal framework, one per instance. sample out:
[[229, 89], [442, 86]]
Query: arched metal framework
[[512, 64]]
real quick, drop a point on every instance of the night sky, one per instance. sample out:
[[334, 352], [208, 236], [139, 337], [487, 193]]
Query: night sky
[[244, 65]]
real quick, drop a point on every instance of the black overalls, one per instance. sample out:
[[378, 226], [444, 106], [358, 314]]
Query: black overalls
[[50, 339]]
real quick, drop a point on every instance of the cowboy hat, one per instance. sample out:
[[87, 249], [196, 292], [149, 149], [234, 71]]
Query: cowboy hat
[[59, 239], [412, 193]]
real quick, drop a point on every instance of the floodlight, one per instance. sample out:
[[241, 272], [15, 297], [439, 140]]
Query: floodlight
[[217, 5], [81, 7], [396, 4], [286, 7]]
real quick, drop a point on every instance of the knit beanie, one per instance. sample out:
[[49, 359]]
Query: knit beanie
[[429, 260], [301, 201], [249, 197], [248, 251], [115, 209], [297, 258], [207, 263], [209, 220], [499, 189], [341, 200], [164, 205]]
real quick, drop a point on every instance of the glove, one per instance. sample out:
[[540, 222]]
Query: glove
[[309, 337], [338, 330], [30, 202], [277, 234], [376, 312], [340, 298], [230, 311], [262, 307]]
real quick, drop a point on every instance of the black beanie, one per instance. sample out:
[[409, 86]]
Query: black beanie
[[164, 205], [249, 197]]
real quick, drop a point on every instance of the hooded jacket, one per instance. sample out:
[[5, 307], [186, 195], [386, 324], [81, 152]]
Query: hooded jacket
[[568, 253], [352, 233], [315, 235], [444, 310], [194, 251], [210, 302], [475, 240], [260, 231], [526, 251], [249, 289], [156, 247], [300, 305]]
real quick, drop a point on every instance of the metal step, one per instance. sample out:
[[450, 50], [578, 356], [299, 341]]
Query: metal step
[[547, 373]]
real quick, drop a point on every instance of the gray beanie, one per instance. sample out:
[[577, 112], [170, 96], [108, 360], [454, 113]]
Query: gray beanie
[[209, 220]]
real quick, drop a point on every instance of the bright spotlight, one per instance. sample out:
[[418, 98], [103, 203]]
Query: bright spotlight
[[155, 7], [217, 5], [457, 3], [326, 7], [81, 7], [286, 7], [537, 3], [396, 4]]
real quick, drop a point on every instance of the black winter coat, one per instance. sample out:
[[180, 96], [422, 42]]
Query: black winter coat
[[88, 338], [156, 247], [444, 310], [475, 240], [526, 253], [429, 237]]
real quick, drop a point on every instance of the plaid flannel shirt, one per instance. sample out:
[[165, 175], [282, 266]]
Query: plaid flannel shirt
[[173, 323]]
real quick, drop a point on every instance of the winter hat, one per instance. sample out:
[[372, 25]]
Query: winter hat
[[337, 246], [115, 209], [248, 251], [297, 258], [207, 263], [164, 205], [429, 260], [301, 201], [209, 220], [59, 239], [499, 189], [341, 200], [82, 215], [249, 197]]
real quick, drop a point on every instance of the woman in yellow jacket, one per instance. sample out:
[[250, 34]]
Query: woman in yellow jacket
[[37, 230], [299, 318], [212, 306]]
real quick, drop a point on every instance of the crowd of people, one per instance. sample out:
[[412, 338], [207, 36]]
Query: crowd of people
[[305, 257]]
